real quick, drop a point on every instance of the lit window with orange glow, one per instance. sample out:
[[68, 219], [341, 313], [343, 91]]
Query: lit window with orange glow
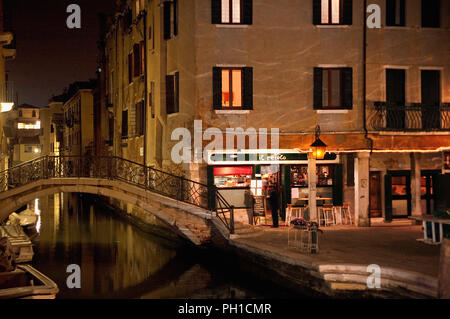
[[331, 12], [29, 126], [231, 11], [231, 88]]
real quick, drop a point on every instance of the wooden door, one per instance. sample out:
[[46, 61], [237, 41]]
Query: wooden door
[[375, 194]]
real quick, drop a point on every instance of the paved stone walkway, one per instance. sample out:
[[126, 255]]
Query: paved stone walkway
[[386, 246]]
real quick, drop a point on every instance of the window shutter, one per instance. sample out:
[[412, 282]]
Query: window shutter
[[142, 46], [247, 89], [348, 12], [130, 68], [177, 92], [388, 197], [318, 88], [170, 105], [166, 20], [351, 170], [216, 11], [175, 17], [137, 60], [125, 124], [317, 12], [347, 88], [217, 88], [338, 186], [402, 13], [390, 12], [431, 13], [248, 11]]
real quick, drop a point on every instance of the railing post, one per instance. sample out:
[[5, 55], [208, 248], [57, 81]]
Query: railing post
[[180, 188], [232, 220]]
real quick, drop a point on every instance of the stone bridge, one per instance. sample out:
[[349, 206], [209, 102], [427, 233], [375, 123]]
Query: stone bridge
[[187, 207]]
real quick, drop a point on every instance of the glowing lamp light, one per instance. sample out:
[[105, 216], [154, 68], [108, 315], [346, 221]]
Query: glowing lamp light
[[6, 107], [318, 147]]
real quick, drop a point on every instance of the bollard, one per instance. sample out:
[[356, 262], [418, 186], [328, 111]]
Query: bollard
[[444, 270]]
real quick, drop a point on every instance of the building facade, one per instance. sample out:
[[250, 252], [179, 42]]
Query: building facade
[[7, 95], [78, 110], [380, 97]]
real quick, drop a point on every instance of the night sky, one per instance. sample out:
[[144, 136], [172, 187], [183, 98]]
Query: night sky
[[49, 55]]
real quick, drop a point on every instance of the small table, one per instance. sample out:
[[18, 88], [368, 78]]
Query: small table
[[433, 229], [304, 239]]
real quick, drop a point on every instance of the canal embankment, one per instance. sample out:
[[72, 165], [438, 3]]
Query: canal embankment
[[409, 269]]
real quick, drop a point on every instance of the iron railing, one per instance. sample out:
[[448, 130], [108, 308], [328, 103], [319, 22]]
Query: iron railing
[[415, 117], [115, 168]]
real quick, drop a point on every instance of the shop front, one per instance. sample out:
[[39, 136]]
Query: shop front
[[244, 178]]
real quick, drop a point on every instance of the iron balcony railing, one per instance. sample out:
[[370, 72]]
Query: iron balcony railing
[[415, 117], [115, 168]]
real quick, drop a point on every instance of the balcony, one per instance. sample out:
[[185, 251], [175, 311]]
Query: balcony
[[413, 118]]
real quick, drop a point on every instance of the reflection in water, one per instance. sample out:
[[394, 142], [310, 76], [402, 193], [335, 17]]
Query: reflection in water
[[117, 260]]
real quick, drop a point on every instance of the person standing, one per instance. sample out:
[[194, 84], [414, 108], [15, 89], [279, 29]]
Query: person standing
[[274, 204]]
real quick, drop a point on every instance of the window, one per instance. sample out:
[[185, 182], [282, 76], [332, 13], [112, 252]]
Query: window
[[332, 12], [233, 88], [232, 11], [125, 124], [28, 149], [431, 13], [333, 88], [29, 126], [140, 118], [172, 93], [170, 19], [395, 13], [33, 114]]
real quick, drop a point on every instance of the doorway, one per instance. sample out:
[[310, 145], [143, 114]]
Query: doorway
[[427, 194], [375, 207], [431, 99], [398, 194], [395, 98]]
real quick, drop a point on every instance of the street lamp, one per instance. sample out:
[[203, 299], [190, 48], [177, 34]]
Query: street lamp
[[318, 147]]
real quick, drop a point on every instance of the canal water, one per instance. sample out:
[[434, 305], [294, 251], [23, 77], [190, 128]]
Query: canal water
[[117, 260]]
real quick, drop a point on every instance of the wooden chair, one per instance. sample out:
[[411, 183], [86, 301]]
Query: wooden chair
[[326, 215], [337, 213], [347, 214]]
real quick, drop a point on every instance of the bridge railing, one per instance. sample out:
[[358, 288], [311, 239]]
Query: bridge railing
[[115, 168]]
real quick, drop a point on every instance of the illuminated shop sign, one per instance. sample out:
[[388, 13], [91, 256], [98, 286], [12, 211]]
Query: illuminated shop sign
[[265, 158]]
